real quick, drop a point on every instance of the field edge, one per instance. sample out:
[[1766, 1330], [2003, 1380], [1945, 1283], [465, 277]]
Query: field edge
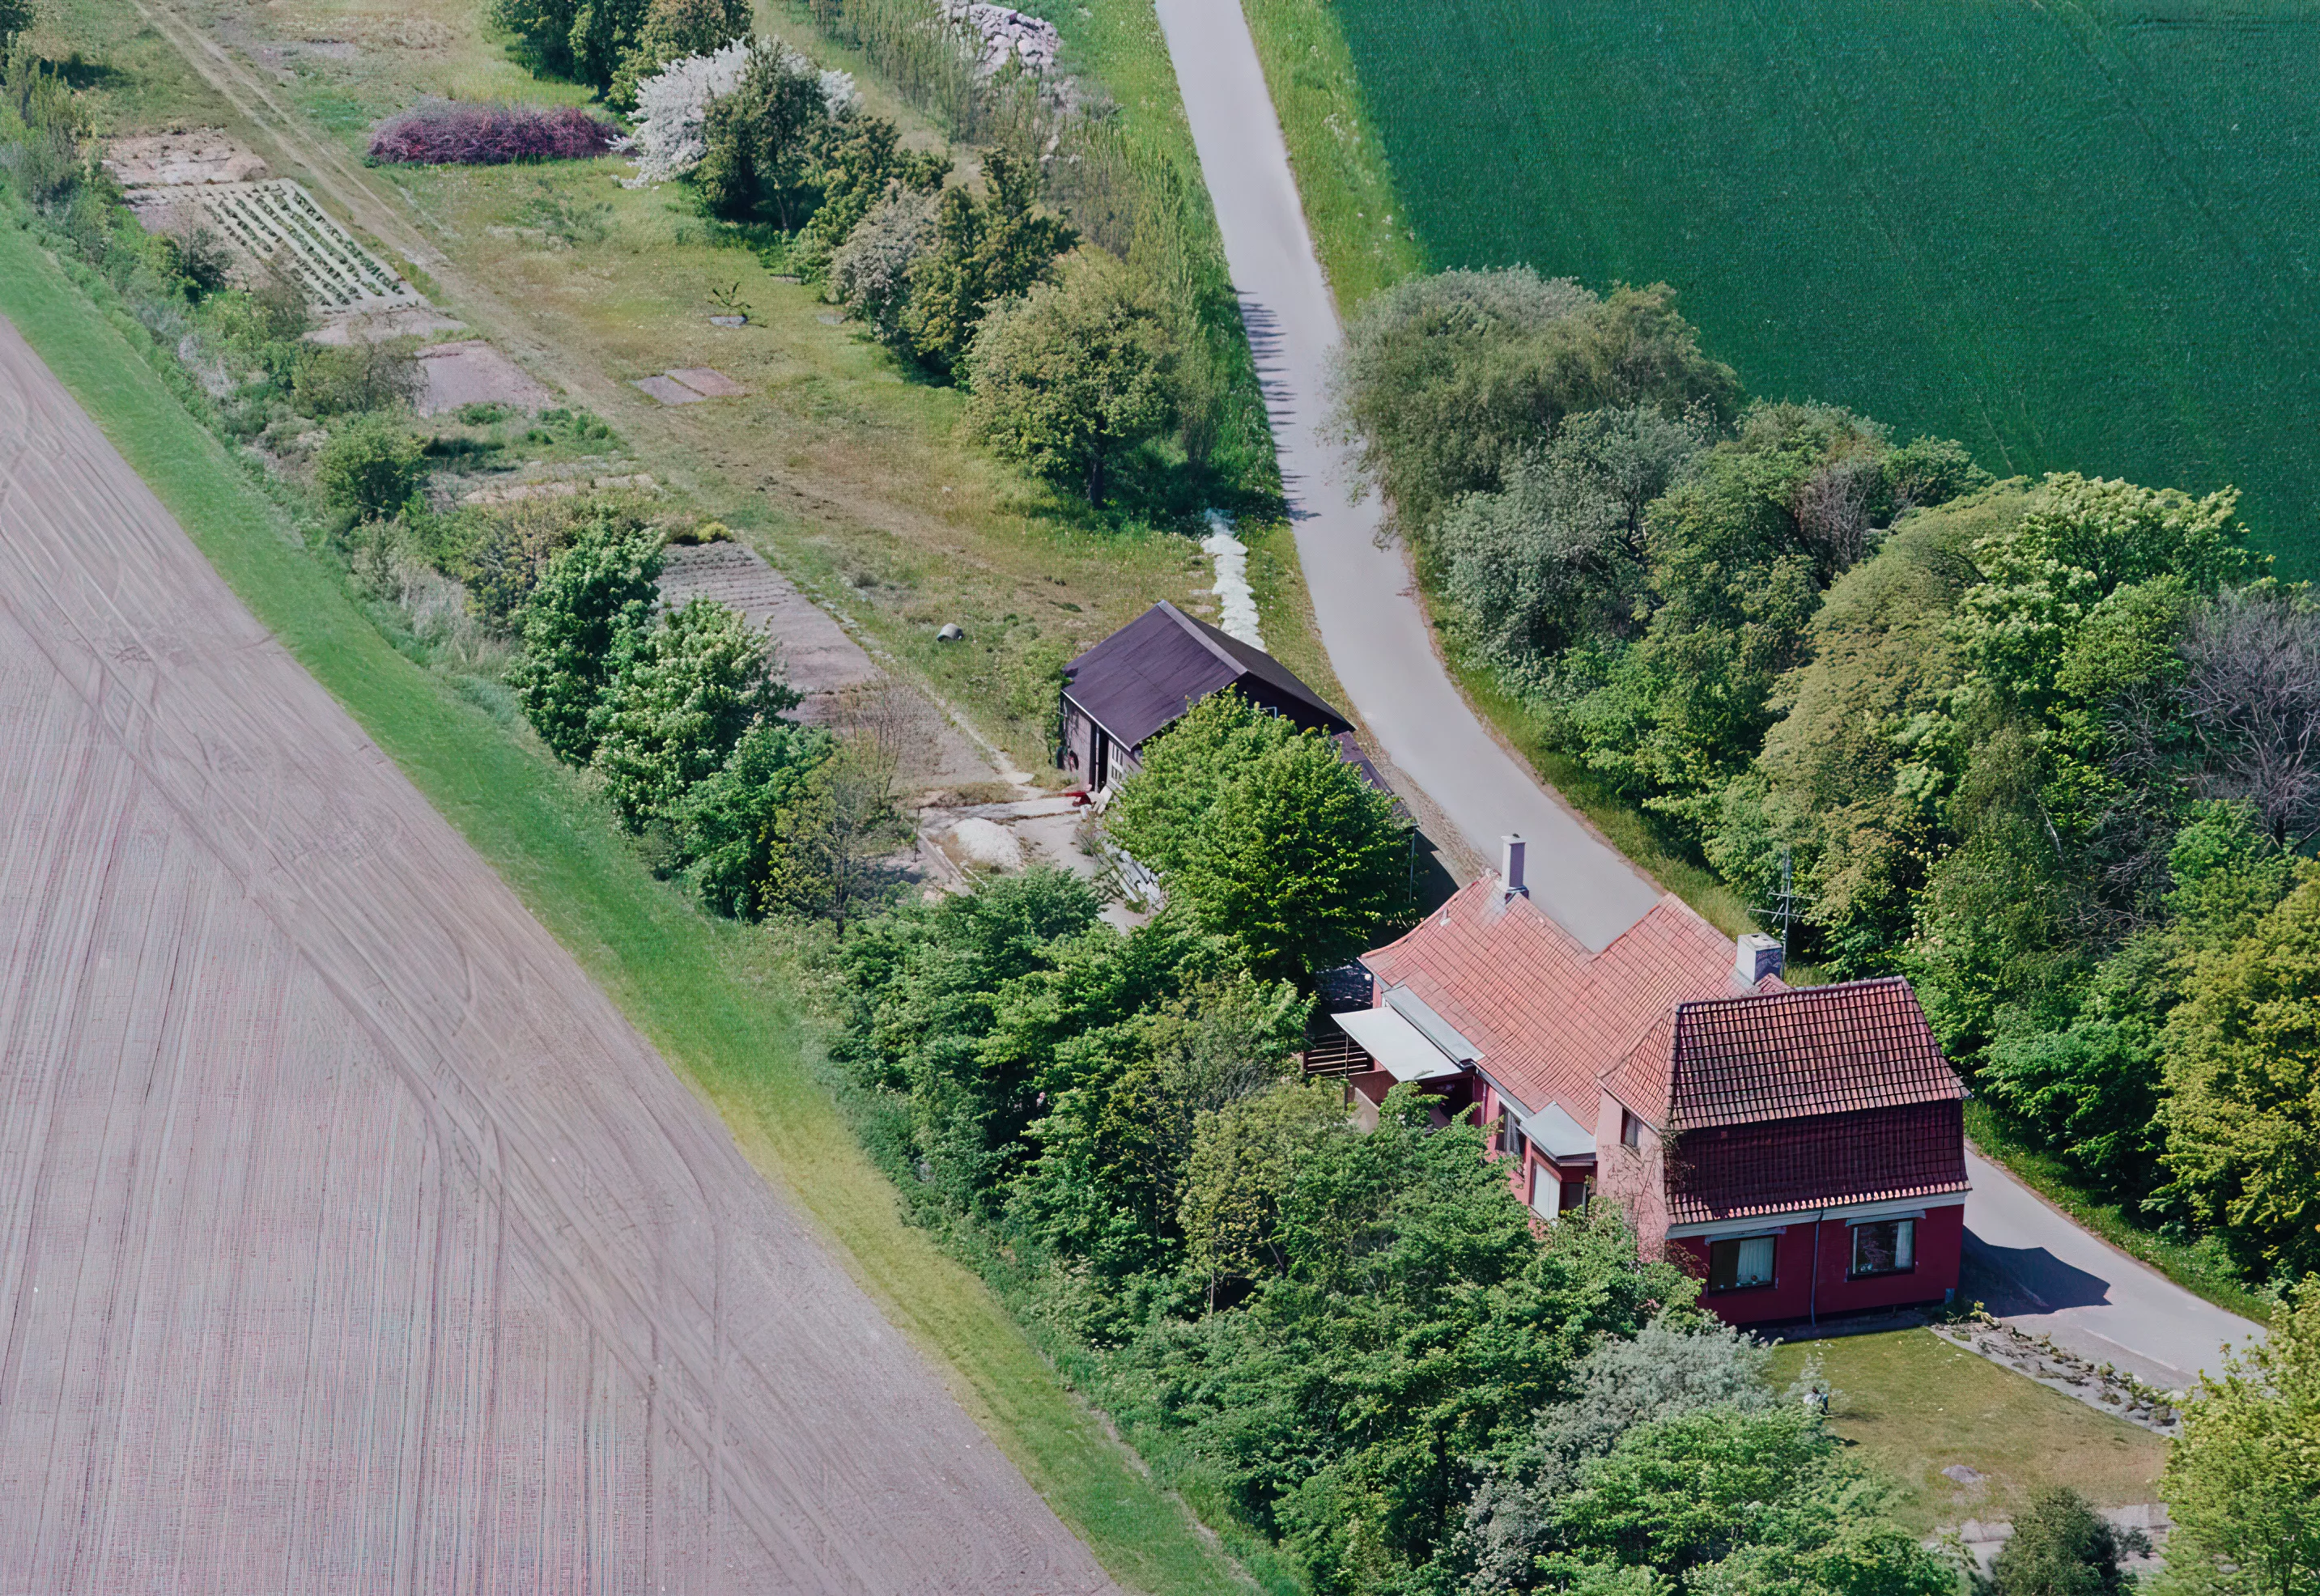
[[715, 1001]]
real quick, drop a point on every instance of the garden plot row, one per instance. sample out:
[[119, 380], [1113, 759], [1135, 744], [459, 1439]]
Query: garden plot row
[[279, 221]]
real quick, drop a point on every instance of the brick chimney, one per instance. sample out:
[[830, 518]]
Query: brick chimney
[[1511, 885], [1757, 956]]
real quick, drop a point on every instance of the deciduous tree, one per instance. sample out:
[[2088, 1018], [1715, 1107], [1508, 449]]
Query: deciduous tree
[[2242, 1482], [592, 597], [679, 696], [1068, 378]]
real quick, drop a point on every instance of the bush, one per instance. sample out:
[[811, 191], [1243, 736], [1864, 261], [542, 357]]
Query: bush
[[593, 596], [734, 827], [41, 126], [1446, 381], [369, 469], [680, 696], [1066, 379], [474, 133], [870, 273], [332, 379]]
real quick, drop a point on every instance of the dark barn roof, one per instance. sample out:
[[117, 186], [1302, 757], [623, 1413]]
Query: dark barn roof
[[1150, 672]]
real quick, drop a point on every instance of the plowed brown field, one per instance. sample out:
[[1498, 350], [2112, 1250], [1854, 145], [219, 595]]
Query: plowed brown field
[[350, 1241]]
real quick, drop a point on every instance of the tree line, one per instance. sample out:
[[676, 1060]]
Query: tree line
[[2046, 748]]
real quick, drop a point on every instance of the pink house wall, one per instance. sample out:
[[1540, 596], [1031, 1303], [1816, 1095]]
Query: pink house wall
[[1793, 1293]]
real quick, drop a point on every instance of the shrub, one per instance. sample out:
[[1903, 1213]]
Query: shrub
[[41, 126], [332, 379], [474, 133], [1446, 381], [672, 110], [870, 273], [369, 469], [1066, 379], [595, 595]]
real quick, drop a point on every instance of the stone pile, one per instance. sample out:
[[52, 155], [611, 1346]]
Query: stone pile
[[1007, 35]]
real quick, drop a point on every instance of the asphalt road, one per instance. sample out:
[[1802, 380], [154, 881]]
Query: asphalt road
[[1371, 622], [2032, 1267]]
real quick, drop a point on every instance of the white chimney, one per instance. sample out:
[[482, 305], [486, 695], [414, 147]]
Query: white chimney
[[1757, 956], [1512, 849]]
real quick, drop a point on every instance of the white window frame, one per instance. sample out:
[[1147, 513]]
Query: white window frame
[[1771, 1238]]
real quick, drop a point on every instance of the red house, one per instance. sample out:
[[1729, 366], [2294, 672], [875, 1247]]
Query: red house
[[1800, 1150]]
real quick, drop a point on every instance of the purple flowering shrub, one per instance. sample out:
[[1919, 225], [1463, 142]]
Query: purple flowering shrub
[[467, 132]]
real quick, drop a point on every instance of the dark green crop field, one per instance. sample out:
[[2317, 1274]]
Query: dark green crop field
[[2073, 234]]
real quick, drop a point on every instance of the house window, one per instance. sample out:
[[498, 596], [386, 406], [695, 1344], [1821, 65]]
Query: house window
[[1887, 1247], [1631, 1129], [1510, 1136], [1741, 1264], [1545, 1192]]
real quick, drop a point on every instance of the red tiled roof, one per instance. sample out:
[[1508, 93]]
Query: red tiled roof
[[1810, 1050], [1915, 1149], [1548, 1016]]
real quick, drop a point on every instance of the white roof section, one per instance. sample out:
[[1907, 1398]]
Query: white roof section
[[1432, 1026], [1399, 1048], [1558, 1134]]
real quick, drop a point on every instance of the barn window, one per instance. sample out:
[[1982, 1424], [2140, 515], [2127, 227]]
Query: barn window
[[1885, 1246], [1741, 1264]]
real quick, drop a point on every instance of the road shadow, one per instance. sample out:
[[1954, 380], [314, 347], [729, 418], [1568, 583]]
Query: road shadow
[[2010, 1279]]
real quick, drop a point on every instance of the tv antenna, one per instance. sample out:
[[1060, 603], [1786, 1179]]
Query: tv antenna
[[1782, 911]]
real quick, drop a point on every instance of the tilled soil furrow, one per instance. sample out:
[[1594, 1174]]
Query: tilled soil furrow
[[387, 1256]]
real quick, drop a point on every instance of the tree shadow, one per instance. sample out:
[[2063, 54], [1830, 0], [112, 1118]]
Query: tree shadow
[[80, 73]]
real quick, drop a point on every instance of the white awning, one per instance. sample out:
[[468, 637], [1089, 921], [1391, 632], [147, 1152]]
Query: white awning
[[1557, 1134], [1399, 1048]]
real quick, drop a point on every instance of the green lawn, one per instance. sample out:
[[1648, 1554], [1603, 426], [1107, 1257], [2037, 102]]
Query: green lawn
[[1912, 1405], [2082, 235], [716, 999]]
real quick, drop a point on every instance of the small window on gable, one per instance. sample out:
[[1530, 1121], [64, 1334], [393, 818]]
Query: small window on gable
[[1631, 1129], [1885, 1246], [1741, 1264]]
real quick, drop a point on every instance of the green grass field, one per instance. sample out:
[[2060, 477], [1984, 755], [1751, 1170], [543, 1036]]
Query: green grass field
[[2079, 235], [715, 998]]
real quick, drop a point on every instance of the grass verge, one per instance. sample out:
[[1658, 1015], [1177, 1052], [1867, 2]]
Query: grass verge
[[1912, 1405], [2200, 1268], [716, 1000], [1367, 240]]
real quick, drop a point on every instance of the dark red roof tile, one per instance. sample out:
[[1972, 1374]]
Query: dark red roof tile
[[1915, 1149], [1809, 1050]]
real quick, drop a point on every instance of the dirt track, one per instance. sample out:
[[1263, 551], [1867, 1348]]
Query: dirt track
[[349, 1238]]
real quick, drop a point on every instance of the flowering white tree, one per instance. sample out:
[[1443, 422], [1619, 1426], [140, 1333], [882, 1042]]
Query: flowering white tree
[[672, 115], [673, 111]]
